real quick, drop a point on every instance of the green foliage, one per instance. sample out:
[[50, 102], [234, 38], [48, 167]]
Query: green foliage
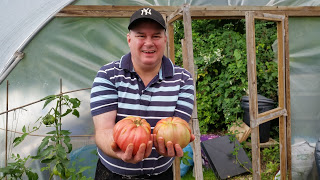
[[270, 157], [17, 169], [208, 174], [54, 148], [221, 61], [184, 159]]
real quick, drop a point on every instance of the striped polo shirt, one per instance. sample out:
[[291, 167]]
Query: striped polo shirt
[[118, 87]]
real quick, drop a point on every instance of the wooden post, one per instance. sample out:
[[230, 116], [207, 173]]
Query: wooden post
[[195, 123], [281, 96], [253, 99], [287, 91], [184, 54], [170, 32]]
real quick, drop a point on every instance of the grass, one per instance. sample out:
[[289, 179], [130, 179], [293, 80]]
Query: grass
[[207, 175]]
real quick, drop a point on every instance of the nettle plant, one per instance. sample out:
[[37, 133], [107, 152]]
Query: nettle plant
[[55, 146]]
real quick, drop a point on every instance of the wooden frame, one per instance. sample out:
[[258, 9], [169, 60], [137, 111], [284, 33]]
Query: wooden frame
[[195, 11], [280, 112], [220, 12]]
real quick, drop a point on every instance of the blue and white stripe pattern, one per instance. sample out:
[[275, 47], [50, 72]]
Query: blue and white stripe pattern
[[118, 87]]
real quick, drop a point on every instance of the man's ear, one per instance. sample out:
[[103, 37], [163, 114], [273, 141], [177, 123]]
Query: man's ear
[[128, 38]]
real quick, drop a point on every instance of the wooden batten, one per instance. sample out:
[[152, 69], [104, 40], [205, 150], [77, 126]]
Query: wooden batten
[[195, 11], [287, 102], [269, 115], [170, 31], [195, 123], [253, 99]]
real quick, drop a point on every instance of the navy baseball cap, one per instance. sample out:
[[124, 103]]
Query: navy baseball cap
[[147, 13]]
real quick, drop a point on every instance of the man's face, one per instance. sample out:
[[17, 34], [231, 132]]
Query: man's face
[[147, 42]]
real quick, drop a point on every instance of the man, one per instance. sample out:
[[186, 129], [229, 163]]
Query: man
[[142, 83]]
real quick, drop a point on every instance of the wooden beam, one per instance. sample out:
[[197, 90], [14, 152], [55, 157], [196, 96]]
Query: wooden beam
[[269, 115], [253, 96], [170, 31], [195, 11], [175, 16], [184, 54], [281, 97], [269, 17], [287, 102], [176, 169], [195, 123]]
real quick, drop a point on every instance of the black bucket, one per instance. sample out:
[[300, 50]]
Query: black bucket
[[264, 104]]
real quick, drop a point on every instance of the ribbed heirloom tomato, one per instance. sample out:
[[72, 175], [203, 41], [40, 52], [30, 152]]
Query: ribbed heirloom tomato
[[131, 130], [173, 129]]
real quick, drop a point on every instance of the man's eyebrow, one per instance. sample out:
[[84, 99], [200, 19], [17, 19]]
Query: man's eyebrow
[[157, 33]]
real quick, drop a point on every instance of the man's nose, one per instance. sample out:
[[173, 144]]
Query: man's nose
[[148, 41]]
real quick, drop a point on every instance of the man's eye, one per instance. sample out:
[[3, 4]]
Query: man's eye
[[156, 37]]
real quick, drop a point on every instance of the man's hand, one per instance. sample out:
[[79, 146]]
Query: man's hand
[[127, 156], [171, 149]]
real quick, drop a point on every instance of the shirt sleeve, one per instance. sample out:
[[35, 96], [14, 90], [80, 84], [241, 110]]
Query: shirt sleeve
[[104, 96], [185, 102]]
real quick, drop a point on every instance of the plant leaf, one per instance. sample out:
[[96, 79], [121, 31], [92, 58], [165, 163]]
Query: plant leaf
[[43, 153], [82, 169], [65, 132], [32, 176], [67, 112], [67, 143], [48, 160], [48, 100], [66, 97], [24, 129], [18, 140], [75, 102], [61, 153], [44, 143], [76, 113], [52, 132]]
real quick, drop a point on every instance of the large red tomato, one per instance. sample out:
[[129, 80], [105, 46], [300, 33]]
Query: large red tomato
[[173, 129], [131, 130]]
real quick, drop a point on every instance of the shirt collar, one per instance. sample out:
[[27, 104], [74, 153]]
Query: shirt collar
[[166, 70]]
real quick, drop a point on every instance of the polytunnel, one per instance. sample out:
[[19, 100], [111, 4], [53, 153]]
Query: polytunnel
[[43, 54]]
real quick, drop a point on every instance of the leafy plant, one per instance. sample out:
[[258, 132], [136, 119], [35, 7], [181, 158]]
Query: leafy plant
[[56, 145], [17, 169], [221, 61], [54, 148], [184, 159], [270, 157]]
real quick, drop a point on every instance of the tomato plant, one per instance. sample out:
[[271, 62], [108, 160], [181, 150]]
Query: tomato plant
[[54, 148]]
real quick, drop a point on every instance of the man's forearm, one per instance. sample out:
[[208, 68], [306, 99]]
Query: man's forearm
[[104, 139]]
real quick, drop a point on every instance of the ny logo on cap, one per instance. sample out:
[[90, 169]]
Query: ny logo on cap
[[146, 11]]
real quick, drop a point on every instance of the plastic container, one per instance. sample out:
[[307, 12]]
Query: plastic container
[[264, 104]]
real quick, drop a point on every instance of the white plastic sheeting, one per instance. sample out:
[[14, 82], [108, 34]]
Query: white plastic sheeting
[[19, 21]]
